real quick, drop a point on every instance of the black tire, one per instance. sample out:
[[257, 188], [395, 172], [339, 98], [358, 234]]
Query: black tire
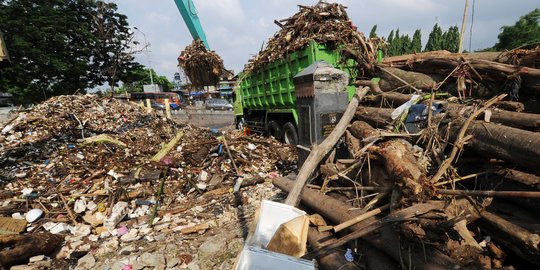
[[274, 130], [290, 135]]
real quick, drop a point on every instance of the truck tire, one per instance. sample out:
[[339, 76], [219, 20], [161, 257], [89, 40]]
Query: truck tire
[[290, 135], [274, 130]]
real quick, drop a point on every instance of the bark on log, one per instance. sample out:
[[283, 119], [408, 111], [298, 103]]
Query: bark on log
[[26, 246], [339, 212], [319, 151], [408, 58], [491, 140], [521, 177], [333, 259], [512, 106], [416, 79], [521, 241], [508, 118], [511, 144], [490, 71]]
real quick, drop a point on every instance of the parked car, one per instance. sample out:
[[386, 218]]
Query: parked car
[[156, 105], [218, 104]]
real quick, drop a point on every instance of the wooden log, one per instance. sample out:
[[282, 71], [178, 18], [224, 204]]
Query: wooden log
[[408, 58], [489, 139], [490, 71], [511, 144], [519, 240], [25, 246], [338, 212], [403, 167], [332, 259], [491, 193], [512, 119], [376, 117], [521, 177], [360, 218], [512, 106], [362, 130], [508, 118], [416, 210], [319, 151], [409, 79]]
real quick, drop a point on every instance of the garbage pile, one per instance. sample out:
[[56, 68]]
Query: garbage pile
[[325, 23], [84, 176], [201, 66]]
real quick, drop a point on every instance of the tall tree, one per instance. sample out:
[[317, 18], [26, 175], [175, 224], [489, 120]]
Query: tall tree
[[434, 42], [53, 45], [406, 45], [373, 32], [396, 46], [450, 39], [114, 50], [525, 31], [389, 40], [416, 43], [139, 76]]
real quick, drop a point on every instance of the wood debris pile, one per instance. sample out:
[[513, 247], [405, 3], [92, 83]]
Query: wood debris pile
[[451, 187], [483, 74], [92, 167], [201, 66], [325, 23]]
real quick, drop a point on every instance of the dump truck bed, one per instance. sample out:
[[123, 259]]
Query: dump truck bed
[[271, 87]]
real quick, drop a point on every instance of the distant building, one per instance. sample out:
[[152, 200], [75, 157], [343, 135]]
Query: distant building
[[227, 80], [152, 88]]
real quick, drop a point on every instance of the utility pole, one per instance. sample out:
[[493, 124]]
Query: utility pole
[[462, 33], [146, 45]]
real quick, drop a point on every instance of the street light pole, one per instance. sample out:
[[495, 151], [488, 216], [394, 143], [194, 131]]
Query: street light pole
[[146, 45]]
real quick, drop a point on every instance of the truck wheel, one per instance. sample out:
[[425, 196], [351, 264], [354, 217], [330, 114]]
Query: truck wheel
[[274, 130], [290, 135]]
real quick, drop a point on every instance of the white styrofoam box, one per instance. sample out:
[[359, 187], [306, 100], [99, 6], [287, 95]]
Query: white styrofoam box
[[271, 216], [255, 258]]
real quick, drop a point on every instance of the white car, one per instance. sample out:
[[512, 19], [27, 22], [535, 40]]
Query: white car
[[218, 104]]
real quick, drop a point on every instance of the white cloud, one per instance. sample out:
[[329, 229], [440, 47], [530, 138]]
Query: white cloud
[[229, 10], [236, 29]]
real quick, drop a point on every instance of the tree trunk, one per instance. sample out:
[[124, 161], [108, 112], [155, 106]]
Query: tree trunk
[[339, 212], [26, 246], [491, 140]]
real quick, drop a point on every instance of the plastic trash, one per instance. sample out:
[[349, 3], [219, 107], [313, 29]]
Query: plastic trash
[[348, 255], [119, 211], [33, 215]]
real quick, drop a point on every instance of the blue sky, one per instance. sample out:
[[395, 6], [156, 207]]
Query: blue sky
[[236, 29]]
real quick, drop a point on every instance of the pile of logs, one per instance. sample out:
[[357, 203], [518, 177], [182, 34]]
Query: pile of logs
[[201, 66], [455, 188], [461, 193], [469, 74], [325, 23]]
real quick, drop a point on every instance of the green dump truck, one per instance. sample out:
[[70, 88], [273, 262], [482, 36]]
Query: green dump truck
[[265, 100]]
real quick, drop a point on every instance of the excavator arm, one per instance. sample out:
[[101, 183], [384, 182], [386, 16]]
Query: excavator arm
[[189, 14]]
